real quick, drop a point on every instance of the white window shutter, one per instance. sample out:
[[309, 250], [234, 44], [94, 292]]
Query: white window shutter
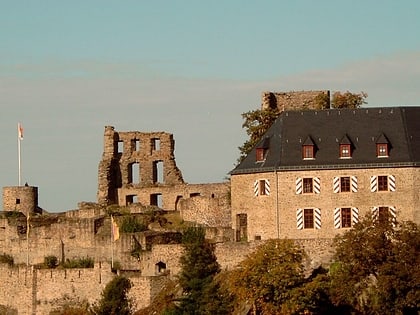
[[317, 185], [337, 218], [353, 183], [336, 185], [256, 188], [267, 186], [354, 216], [299, 185], [391, 182], [375, 213], [373, 183], [317, 217], [393, 214], [299, 219]]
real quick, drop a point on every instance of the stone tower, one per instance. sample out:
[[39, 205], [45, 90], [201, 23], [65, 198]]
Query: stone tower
[[21, 198]]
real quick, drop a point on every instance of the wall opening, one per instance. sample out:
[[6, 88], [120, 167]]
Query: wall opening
[[158, 172], [134, 173], [178, 198], [156, 200], [135, 145], [120, 146], [241, 227], [194, 195], [155, 144], [17, 201], [130, 199], [160, 267]]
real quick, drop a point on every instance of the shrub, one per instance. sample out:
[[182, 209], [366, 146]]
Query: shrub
[[130, 224], [7, 259], [50, 261], [79, 263]]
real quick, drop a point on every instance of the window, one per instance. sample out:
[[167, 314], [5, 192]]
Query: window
[[382, 150], [308, 152], [382, 183], [261, 187], [344, 184], [345, 217], [307, 185], [308, 218], [345, 151], [260, 154], [383, 214]]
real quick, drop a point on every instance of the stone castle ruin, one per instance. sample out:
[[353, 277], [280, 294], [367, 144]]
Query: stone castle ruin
[[137, 172]]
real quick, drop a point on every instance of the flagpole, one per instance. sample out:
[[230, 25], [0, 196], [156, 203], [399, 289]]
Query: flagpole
[[19, 165], [112, 242]]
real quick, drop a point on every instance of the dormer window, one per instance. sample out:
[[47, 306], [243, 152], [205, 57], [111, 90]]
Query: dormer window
[[262, 149], [382, 147], [308, 149], [345, 148]]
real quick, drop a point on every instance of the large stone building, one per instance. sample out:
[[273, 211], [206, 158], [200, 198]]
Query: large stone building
[[315, 173]]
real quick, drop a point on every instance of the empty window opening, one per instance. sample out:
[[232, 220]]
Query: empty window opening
[[241, 227], [130, 199], [134, 173], [17, 201], [156, 200], [160, 267], [178, 198], [257, 237], [383, 214], [158, 172], [212, 195], [155, 144], [194, 195], [120, 147], [135, 145]]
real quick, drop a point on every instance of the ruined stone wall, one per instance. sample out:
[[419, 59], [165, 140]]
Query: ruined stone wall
[[20, 198], [294, 100], [273, 215]]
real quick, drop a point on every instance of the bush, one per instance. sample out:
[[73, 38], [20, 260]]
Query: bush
[[79, 263], [7, 259], [130, 224], [50, 261]]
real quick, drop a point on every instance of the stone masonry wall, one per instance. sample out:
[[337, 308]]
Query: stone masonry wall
[[294, 100], [274, 215]]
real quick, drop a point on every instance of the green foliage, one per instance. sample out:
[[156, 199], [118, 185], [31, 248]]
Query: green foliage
[[7, 310], [199, 266], [377, 268], [268, 276], [131, 224], [84, 262], [322, 101], [256, 123], [6, 259], [114, 300], [50, 261], [348, 100]]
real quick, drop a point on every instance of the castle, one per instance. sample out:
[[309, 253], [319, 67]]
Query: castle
[[312, 175]]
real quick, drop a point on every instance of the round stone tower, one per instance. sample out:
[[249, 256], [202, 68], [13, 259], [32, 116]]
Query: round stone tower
[[20, 198]]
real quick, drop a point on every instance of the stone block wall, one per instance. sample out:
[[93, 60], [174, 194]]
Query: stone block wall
[[20, 198], [293, 100]]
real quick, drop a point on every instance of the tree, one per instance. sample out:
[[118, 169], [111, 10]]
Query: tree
[[199, 266], [115, 299], [257, 122], [377, 268], [348, 100]]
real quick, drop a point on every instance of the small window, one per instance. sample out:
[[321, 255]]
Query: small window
[[382, 183], [308, 152], [308, 185], [155, 144], [345, 151], [262, 187], [383, 214], [345, 217], [17, 201], [382, 150], [308, 218], [345, 184], [260, 154]]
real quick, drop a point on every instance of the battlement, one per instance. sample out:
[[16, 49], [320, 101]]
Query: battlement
[[293, 100]]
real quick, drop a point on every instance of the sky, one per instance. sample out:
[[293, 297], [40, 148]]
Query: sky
[[187, 67]]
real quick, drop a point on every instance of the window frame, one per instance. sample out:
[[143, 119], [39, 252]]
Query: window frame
[[307, 185], [261, 187], [345, 151], [260, 154], [308, 152], [345, 184], [346, 217], [383, 183], [382, 150], [308, 218]]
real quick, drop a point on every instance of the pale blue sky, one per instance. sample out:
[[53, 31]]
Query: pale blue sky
[[68, 68]]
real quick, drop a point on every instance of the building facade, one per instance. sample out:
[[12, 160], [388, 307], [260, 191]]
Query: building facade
[[314, 174]]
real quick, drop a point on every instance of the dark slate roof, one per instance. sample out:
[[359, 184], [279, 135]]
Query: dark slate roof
[[363, 128]]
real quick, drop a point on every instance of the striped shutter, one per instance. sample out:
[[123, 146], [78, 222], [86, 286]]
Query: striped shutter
[[336, 185], [353, 183], [256, 188], [354, 216], [337, 218], [299, 186], [299, 219], [317, 218], [373, 183], [391, 182], [317, 185], [393, 214], [375, 213], [267, 187]]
